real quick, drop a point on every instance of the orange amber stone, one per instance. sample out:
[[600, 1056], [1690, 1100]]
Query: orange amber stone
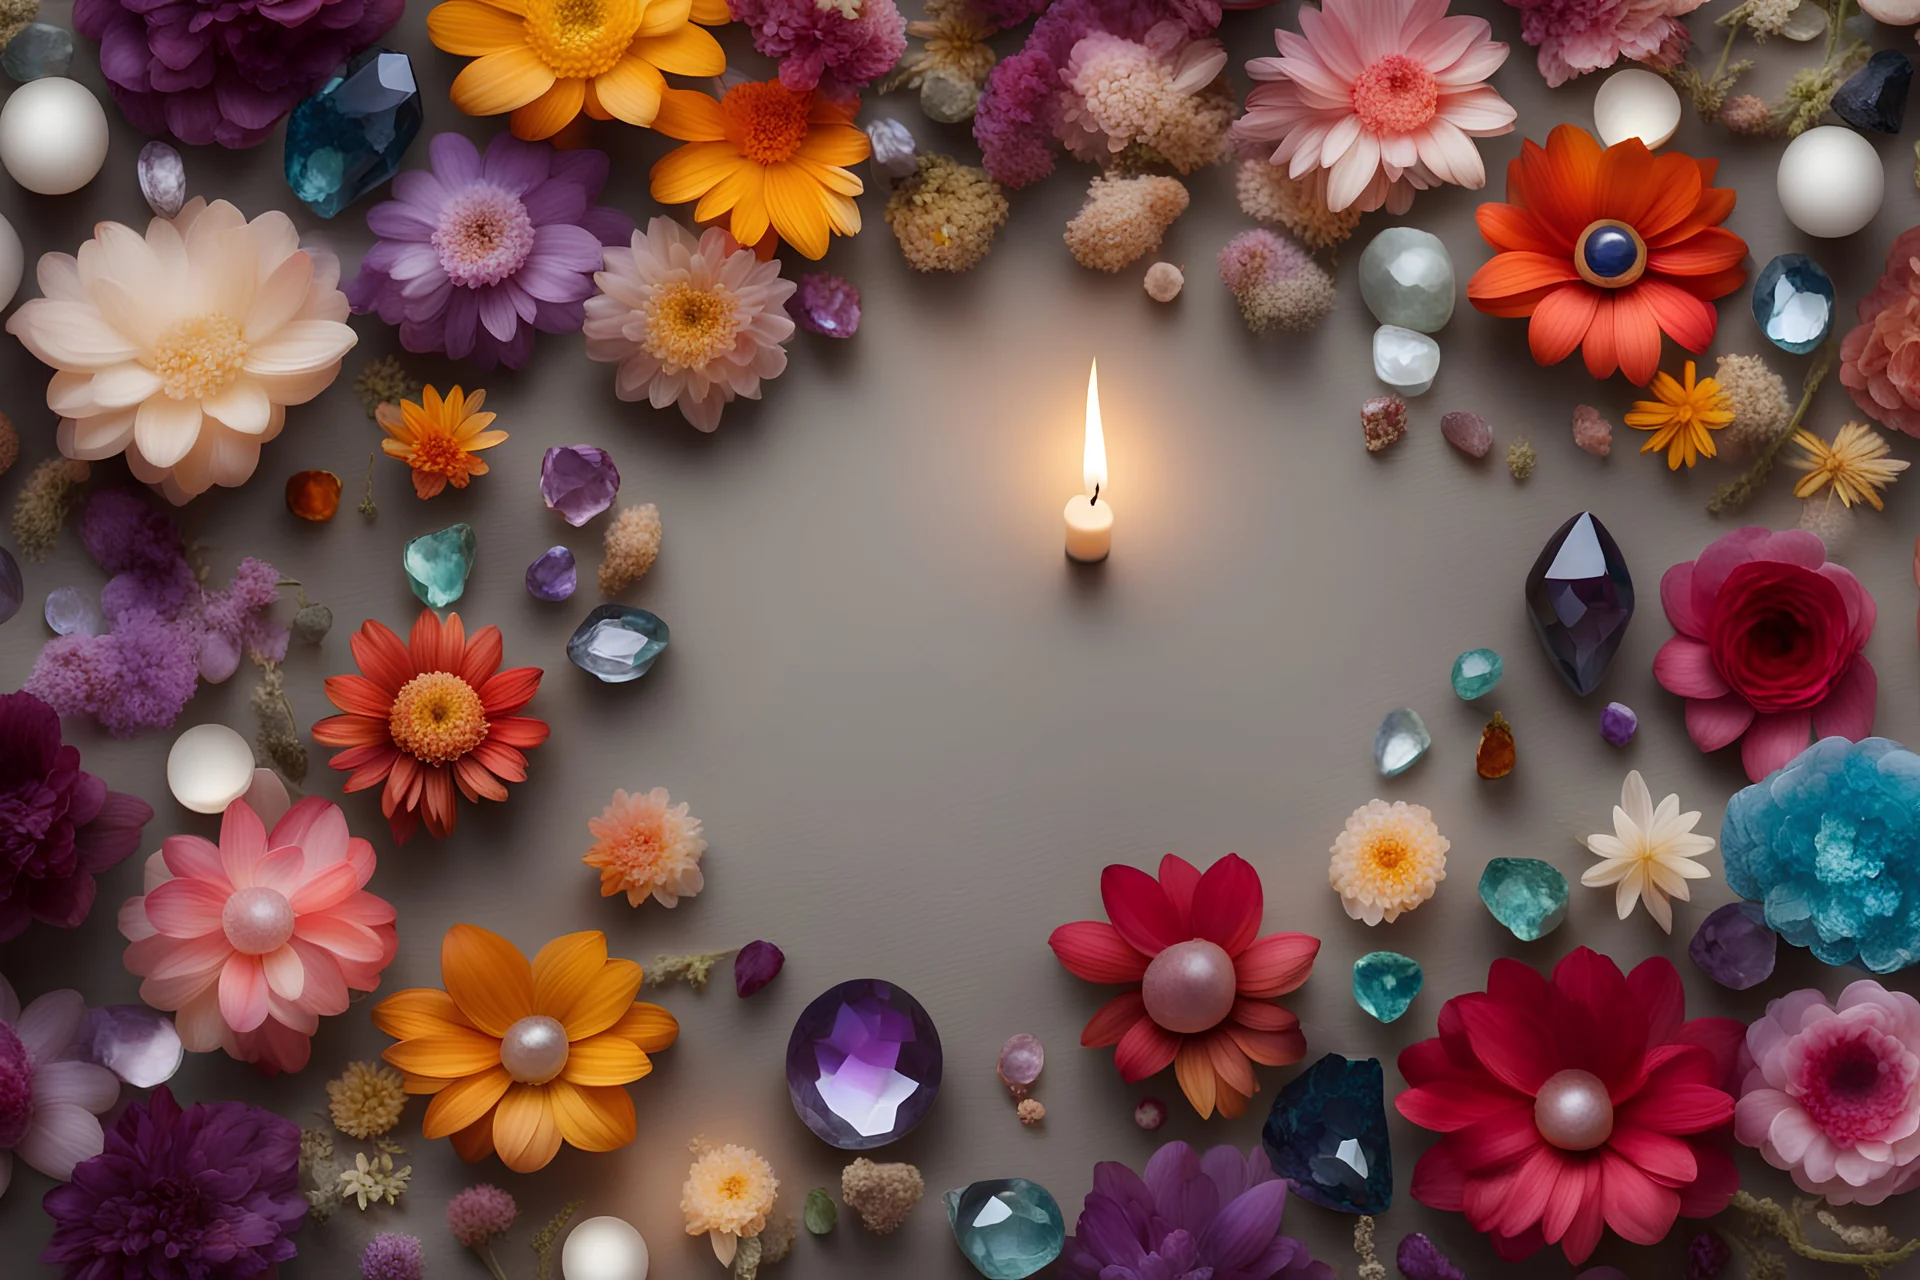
[[1495, 757], [313, 495]]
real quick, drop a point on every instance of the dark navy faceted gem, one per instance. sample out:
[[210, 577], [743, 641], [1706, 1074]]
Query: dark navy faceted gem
[[1580, 598]]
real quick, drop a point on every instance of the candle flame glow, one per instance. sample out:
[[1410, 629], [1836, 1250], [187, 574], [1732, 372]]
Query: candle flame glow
[[1093, 463]]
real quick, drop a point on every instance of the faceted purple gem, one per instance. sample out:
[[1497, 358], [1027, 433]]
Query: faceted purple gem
[[757, 964], [1707, 1256], [1420, 1259], [579, 481], [1580, 597], [552, 576], [1734, 947], [863, 1064], [132, 1041], [826, 304], [1618, 723]]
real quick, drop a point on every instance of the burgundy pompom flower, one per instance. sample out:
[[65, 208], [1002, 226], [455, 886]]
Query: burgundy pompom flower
[[224, 71], [59, 824]]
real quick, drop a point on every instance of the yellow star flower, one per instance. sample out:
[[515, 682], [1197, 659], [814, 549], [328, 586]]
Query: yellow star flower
[[1682, 418], [1856, 465]]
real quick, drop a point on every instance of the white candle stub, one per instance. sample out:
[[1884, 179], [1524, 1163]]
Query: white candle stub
[[1089, 519], [604, 1249], [209, 768], [53, 136], [1831, 182], [1636, 104]]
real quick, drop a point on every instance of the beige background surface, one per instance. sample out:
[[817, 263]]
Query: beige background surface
[[915, 734]]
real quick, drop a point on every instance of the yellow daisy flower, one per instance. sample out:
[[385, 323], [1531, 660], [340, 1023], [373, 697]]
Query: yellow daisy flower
[[1683, 418], [1857, 465]]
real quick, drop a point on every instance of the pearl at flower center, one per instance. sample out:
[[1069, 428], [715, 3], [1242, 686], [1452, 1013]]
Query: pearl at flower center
[[534, 1050], [1573, 1111], [484, 235], [1395, 95], [437, 717], [1189, 987], [257, 920], [199, 356]]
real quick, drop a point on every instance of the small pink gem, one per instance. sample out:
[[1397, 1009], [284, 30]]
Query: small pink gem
[[257, 920]]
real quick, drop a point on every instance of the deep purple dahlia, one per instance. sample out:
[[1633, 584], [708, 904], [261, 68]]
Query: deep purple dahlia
[[477, 253], [1215, 1216], [224, 71], [211, 1192], [58, 823]]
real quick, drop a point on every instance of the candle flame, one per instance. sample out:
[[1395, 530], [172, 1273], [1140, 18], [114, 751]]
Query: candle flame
[[1093, 463]]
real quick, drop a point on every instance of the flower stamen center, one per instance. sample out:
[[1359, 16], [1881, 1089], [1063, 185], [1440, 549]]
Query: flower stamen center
[[688, 327], [199, 356], [437, 718], [581, 39], [1395, 95], [766, 121], [484, 235], [1856, 1084]]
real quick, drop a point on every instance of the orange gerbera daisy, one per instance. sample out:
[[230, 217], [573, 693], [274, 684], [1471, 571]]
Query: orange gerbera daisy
[[1605, 249], [546, 61], [763, 156], [438, 437], [430, 715], [520, 1058]]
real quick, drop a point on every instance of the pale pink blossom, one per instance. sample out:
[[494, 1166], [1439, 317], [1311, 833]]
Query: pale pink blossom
[[1578, 36], [49, 1102], [1121, 92]]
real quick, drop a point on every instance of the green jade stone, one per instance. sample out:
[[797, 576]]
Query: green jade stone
[[1385, 983], [821, 1214], [1475, 672], [438, 564], [1526, 895], [1009, 1228]]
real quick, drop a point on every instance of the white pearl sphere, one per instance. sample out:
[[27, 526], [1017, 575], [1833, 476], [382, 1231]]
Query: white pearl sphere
[[13, 263], [209, 767], [53, 136], [1636, 104], [604, 1249], [1895, 13], [1831, 182]]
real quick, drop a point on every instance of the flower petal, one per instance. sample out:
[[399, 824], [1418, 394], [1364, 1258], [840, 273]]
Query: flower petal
[[1094, 950], [487, 977]]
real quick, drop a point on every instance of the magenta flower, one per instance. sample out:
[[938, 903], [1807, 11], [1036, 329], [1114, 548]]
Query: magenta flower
[[59, 825], [847, 44], [224, 71], [477, 253]]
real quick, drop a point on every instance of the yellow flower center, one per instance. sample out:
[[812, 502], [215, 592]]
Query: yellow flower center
[[766, 121], [1388, 858], [687, 327], [733, 1187], [437, 717], [199, 356], [580, 39]]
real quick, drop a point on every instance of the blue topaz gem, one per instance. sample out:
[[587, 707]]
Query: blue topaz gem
[[1327, 1135], [1580, 598], [349, 137], [1793, 303], [37, 50], [1385, 983], [1527, 895], [1610, 254], [1009, 1228], [617, 643]]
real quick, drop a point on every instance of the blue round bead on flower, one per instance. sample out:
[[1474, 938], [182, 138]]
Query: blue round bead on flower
[[1830, 846]]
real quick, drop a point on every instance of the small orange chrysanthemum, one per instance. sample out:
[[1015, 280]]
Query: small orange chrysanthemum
[[1682, 417], [438, 437], [645, 844]]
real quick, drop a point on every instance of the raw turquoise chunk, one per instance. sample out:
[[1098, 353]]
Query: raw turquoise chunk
[[438, 564], [349, 137], [1526, 895], [1475, 672], [1400, 741], [38, 50], [1385, 983], [1009, 1228]]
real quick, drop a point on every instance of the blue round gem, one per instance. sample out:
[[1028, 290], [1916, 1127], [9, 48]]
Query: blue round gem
[[1610, 252]]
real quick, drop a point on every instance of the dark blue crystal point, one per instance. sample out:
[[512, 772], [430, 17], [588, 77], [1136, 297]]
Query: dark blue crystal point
[[1874, 98], [349, 137], [1327, 1135], [1580, 597]]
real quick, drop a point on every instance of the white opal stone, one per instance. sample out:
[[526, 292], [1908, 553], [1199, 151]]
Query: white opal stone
[[210, 765], [13, 263], [1807, 22], [53, 136], [1406, 279], [1636, 104], [1404, 359], [604, 1249], [1895, 13], [1831, 182]]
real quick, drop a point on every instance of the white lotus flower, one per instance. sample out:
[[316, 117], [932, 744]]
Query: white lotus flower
[[1650, 853]]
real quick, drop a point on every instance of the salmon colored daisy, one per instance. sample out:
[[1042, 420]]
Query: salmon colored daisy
[[438, 437], [764, 156], [428, 716], [520, 1058], [1605, 250], [645, 845], [1201, 982], [546, 61]]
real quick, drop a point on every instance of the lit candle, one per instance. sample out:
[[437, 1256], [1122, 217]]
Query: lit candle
[[1089, 518]]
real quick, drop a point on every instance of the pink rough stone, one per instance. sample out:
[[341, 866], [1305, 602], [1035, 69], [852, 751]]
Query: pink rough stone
[[1383, 420], [1591, 430], [1467, 432]]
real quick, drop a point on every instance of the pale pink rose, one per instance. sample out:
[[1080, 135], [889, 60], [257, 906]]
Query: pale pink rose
[[1880, 358]]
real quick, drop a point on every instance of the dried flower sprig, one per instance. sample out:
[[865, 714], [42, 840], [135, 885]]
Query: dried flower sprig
[[1809, 91], [278, 739], [1872, 1249], [694, 969], [546, 1241], [1854, 468], [374, 1181], [385, 381], [1371, 1268], [1731, 495], [43, 505]]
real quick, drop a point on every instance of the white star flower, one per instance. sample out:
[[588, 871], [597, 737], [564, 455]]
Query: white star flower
[[1650, 853]]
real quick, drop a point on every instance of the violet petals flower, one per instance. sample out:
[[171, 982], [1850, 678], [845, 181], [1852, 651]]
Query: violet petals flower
[[478, 252]]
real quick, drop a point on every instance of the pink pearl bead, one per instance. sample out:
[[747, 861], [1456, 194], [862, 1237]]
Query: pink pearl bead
[[1189, 987], [257, 920], [1572, 1111], [534, 1050]]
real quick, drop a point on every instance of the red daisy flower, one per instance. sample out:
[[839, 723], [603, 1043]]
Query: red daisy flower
[[1201, 979], [1574, 1105], [428, 716]]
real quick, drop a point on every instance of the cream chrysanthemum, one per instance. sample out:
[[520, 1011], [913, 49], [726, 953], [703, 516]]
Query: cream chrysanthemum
[[1650, 853], [727, 1196], [646, 845], [1387, 860], [366, 1099]]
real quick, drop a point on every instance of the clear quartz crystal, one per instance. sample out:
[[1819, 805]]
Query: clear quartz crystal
[[1399, 742], [1406, 278], [72, 612]]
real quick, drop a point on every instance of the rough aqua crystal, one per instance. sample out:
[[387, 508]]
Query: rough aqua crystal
[[617, 643], [1385, 983], [1399, 742], [1327, 1135], [863, 1064], [1793, 302], [438, 563], [1475, 672], [1526, 895], [1009, 1228], [1580, 598], [349, 137]]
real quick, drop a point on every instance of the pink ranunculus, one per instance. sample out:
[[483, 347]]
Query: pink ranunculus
[[1770, 647], [251, 941], [1834, 1093], [1578, 36], [1880, 357]]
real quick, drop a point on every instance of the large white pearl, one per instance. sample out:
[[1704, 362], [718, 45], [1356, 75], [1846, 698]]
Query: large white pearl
[[604, 1249], [1831, 182], [1573, 1111], [13, 263], [534, 1050], [53, 136], [210, 765]]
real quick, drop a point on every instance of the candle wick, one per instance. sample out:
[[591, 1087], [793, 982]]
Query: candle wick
[[1095, 499]]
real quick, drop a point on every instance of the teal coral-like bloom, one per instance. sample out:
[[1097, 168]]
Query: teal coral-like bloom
[[1829, 845]]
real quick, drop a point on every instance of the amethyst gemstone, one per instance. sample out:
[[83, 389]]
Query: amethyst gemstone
[[132, 1041], [579, 481], [1734, 947], [1580, 597], [863, 1064], [553, 576], [757, 964], [826, 304], [1420, 1259], [1618, 723]]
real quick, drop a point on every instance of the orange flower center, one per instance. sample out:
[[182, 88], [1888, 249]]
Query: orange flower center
[[733, 1187], [767, 122], [199, 356], [1388, 858], [437, 718], [580, 39], [688, 327], [1395, 95], [435, 450]]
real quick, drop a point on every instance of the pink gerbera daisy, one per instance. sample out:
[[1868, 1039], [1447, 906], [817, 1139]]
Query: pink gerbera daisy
[[1386, 94]]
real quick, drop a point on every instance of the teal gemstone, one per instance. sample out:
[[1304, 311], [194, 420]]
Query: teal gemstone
[[1385, 983], [1475, 672], [1400, 741], [1009, 1228], [438, 564], [349, 137], [617, 643], [37, 50], [1526, 895]]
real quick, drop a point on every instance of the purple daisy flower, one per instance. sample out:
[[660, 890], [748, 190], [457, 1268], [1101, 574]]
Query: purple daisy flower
[[224, 71], [211, 1192], [479, 252]]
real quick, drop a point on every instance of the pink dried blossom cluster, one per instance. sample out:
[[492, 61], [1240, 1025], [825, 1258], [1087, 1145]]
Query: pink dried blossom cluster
[[1880, 358], [1119, 92], [843, 44], [1578, 36]]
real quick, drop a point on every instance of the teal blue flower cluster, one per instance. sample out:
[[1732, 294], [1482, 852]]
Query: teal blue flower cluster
[[1830, 846]]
